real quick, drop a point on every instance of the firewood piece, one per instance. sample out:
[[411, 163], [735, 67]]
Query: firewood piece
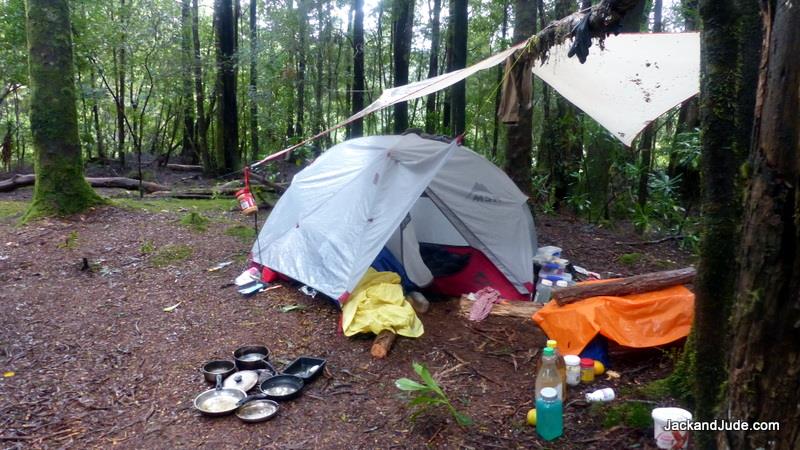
[[512, 308], [18, 181], [185, 167], [636, 284], [279, 188], [382, 344]]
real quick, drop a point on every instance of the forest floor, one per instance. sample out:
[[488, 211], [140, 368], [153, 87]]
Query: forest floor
[[97, 362]]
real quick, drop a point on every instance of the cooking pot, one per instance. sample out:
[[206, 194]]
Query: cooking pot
[[219, 401]]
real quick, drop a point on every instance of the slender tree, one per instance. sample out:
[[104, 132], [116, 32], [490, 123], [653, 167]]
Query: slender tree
[[458, 93], [433, 67], [253, 79], [202, 120], [302, 26], [357, 127], [227, 113], [60, 187], [763, 382], [402, 24], [120, 80], [188, 149]]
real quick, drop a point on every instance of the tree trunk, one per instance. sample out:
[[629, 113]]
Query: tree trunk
[[227, 113], [715, 277], [499, 79], [764, 373], [433, 68], [458, 92], [317, 126], [645, 157], [519, 144], [402, 25], [302, 17], [60, 187], [101, 148], [750, 38], [188, 149], [253, 81], [357, 104], [121, 88], [202, 120]]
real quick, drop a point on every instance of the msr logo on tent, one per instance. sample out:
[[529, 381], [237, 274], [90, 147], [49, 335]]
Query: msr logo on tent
[[481, 193]]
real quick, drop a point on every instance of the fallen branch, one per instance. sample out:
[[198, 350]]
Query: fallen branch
[[185, 167], [631, 285], [383, 344], [18, 181], [520, 309], [654, 241]]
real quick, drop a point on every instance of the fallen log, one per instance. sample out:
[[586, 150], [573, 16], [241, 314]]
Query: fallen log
[[185, 167], [512, 308], [18, 181], [382, 344], [636, 284]]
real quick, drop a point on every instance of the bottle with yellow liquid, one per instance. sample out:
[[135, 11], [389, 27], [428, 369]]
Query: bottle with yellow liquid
[[560, 365]]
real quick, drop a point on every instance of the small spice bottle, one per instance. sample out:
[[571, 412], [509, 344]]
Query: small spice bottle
[[587, 370], [573, 363]]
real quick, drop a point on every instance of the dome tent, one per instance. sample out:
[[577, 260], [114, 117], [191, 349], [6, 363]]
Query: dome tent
[[339, 213]]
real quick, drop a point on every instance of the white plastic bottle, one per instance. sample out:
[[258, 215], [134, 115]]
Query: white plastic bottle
[[544, 290]]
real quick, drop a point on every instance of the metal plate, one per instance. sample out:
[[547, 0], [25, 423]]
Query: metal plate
[[257, 411], [243, 380]]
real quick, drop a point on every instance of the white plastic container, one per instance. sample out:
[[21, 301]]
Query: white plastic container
[[600, 395], [549, 252], [544, 290], [670, 439], [573, 363]]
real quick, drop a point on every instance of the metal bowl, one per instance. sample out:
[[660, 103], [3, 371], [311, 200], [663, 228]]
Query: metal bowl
[[257, 411], [282, 387], [251, 357], [222, 367]]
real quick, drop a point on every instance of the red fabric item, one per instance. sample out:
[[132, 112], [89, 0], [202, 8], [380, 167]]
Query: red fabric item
[[478, 274], [268, 275]]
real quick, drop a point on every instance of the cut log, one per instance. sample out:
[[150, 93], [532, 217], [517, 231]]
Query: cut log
[[382, 344], [18, 181], [185, 167], [279, 188], [512, 308], [637, 284]]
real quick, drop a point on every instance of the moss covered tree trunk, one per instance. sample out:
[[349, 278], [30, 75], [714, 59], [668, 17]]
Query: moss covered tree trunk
[[60, 187], [458, 93], [716, 272], [764, 366]]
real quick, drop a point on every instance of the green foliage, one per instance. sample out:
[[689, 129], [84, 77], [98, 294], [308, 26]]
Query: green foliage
[[70, 242], [10, 209], [147, 247], [631, 414], [241, 232], [170, 254], [429, 394], [630, 259], [195, 222], [542, 194]]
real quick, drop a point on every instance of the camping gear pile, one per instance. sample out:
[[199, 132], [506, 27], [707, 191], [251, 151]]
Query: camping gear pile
[[251, 371]]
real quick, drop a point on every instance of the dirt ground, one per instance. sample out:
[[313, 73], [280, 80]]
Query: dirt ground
[[98, 363]]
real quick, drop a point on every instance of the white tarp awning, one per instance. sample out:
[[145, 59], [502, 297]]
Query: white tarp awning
[[627, 85], [624, 87]]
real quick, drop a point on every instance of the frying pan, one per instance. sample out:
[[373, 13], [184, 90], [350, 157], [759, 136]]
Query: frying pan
[[219, 401]]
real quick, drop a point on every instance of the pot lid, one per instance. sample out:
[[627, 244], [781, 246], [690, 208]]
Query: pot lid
[[243, 380]]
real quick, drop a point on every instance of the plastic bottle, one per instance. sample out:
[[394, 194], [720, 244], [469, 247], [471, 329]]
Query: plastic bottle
[[587, 370], [548, 375], [560, 365], [573, 363], [561, 284], [543, 291], [600, 395], [549, 414]]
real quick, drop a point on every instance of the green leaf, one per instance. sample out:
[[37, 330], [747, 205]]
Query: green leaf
[[423, 373], [405, 384], [462, 419]]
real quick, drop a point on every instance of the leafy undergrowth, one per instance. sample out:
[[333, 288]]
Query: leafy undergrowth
[[176, 205], [170, 254], [12, 210], [195, 221], [244, 233]]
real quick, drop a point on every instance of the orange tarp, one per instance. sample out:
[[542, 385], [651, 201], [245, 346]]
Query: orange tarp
[[638, 320]]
